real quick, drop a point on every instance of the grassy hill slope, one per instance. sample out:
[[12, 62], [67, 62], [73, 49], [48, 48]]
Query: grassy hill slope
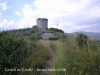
[[74, 55], [71, 59], [20, 53]]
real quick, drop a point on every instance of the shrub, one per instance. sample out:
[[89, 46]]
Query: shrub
[[75, 60], [12, 52], [81, 39], [53, 38], [15, 52], [35, 37], [56, 30]]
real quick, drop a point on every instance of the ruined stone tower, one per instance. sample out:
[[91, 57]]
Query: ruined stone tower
[[42, 23]]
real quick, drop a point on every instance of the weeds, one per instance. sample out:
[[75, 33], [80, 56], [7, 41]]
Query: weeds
[[36, 59], [75, 60]]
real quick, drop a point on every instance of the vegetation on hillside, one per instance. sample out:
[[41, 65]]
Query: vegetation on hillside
[[76, 60], [27, 33], [18, 53], [82, 40], [13, 51], [58, 33], [56, 30], [74, 55]]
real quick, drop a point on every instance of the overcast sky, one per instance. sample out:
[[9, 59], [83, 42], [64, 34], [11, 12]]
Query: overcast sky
[[70, 15]]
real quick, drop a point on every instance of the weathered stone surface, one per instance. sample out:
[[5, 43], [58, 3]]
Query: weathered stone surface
[[47, 35], [42, 23]]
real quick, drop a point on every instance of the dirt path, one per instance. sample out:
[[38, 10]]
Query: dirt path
[[49, 62], [47, 35]]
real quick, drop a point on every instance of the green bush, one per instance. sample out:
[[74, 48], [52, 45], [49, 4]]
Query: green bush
[[35, 36], [82, 39], [53, 38], [12, 52], [56, 30], [26, 33], [59, 34], [16, 52]]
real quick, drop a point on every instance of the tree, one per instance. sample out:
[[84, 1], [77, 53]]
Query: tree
[[81, 39]]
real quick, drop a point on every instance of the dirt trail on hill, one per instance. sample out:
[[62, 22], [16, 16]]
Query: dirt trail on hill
[[49, 62]]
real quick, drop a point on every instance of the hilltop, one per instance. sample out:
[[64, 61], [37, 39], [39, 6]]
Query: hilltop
[[26, 47], [35, 33], [34, 50]]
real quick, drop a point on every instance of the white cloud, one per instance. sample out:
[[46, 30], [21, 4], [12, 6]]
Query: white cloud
[[61, 9], [66, 13], [18, 13], [0, 16], [1, 20], [71, 27], [95, 12], [61, 6], [3, 5], [5, 24]]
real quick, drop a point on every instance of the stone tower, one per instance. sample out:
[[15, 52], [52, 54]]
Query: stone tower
[[42, 23]]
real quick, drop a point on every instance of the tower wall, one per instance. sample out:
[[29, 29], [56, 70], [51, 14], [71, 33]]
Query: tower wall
[[42, 23]]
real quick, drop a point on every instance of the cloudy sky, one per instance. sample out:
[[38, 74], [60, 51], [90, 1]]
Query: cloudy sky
[[70, 15]]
